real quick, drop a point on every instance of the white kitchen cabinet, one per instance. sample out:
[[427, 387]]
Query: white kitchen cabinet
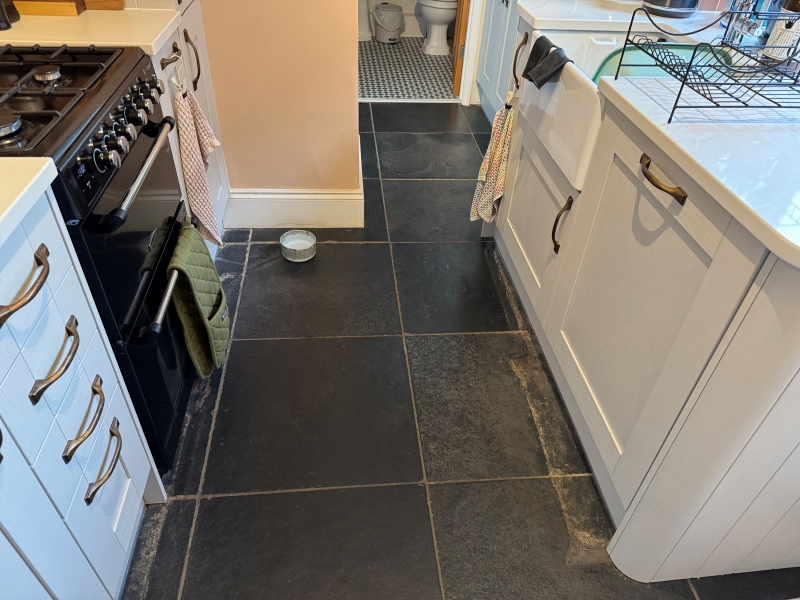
[[19, 582], [643, 299], [535, 219], [73, 546], [497, 51]]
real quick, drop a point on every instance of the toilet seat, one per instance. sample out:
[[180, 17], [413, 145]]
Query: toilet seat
[[439, 3]]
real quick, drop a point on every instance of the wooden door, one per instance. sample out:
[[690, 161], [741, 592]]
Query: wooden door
[[459, 41]]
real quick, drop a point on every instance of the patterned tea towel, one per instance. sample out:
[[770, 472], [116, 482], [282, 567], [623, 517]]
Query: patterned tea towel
[[492, 175], [197, 142]]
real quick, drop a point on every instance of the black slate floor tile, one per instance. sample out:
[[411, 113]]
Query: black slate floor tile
[[369, 543], [780, 584], [314, 413], [428, 156], [157, 566], [430, 211], [236, 236], [474, 417], [230, 267], [454, 287], [369, 157], [419, 118], [364, 117], [374, 229], [541, 539], [478, 122], [483, 139], [346, 289]]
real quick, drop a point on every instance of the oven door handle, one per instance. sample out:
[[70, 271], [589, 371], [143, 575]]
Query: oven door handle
[[116, 218]]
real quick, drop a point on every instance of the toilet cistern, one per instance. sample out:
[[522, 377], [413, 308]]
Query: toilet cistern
[[438, 14]]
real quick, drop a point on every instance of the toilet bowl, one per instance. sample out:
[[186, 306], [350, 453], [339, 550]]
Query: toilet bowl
[[439, 14]]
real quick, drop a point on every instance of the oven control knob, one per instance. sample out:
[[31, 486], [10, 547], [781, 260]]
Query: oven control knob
[[125, 130], [118, 144], [149, 93], [136, 116], [156, 84], [107, 159], [145, 104]]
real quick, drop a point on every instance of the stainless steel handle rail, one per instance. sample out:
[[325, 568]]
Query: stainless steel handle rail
[[40, 385], [112, 221], [93, 488], [40, 256], [172, 58], [150, 332], [565, 208], [73, 445], [189, 41], [516, 57], [676, 192]]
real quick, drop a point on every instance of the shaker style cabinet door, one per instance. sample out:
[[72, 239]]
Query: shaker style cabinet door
[[19, 582], [496, 22], [644, 299], [535, 221], [198, 72]]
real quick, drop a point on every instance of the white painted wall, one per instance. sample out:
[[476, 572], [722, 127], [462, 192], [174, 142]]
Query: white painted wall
[[415, 24]]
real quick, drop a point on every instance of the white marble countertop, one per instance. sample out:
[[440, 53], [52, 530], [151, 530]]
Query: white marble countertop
[[24, 180], [147, 28], [746, 159], [607, 16]]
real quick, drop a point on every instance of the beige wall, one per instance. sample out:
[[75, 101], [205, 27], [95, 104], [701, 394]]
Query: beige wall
[[286, 85]]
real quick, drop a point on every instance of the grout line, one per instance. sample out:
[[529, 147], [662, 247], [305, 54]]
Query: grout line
[[211, 432], [475, 179], [386, 335], [332, 242], [429, 132], [472, 131], [512, 478], [329, 488], [694, 591]]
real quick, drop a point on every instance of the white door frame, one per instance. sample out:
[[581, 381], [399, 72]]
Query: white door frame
[[472, 48]]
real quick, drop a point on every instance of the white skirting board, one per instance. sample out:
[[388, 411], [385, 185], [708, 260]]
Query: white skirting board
[[249, 208]]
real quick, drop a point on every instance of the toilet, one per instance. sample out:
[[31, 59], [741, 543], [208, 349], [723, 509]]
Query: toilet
[[439, 14]]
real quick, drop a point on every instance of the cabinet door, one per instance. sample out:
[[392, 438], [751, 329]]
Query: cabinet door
[[638, 313], [44, 540], [515, 28], [19, 582], [198, 71], [539, 201], [495, 25]]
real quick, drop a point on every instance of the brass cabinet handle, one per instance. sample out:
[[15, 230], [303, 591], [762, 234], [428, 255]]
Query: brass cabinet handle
[[676, 192], [565, 208], [93, 488], [516, 57], [189, 41], [1, 444], [40, 256], [73, 445], [174, 57], [40, 385]]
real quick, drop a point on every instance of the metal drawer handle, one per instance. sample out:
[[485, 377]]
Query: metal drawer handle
[[189, 41], [73, 445], [516, 56], [676, 192], [40, 385], [174, 57], [40, 256], [565, 208], [1, 444], [93, 488]]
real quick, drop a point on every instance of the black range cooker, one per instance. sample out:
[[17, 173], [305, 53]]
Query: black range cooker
[[96, 113]]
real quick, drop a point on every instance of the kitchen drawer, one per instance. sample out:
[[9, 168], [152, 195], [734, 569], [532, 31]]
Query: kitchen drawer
[[19, 582], [59, 479], [33, 525], [27, 423], [70, 300], [78, 410], [134, 454], [701, 217], [97, 362], [48, 348], [19, 272], [117, 506], [41, 228]]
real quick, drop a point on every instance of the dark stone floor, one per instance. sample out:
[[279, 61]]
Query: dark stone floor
[[385, 426]]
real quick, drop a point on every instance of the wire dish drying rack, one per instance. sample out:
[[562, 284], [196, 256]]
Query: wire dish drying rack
[[728, 72]]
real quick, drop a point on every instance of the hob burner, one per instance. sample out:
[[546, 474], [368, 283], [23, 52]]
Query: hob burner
[[9, 122], [46, 73]]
